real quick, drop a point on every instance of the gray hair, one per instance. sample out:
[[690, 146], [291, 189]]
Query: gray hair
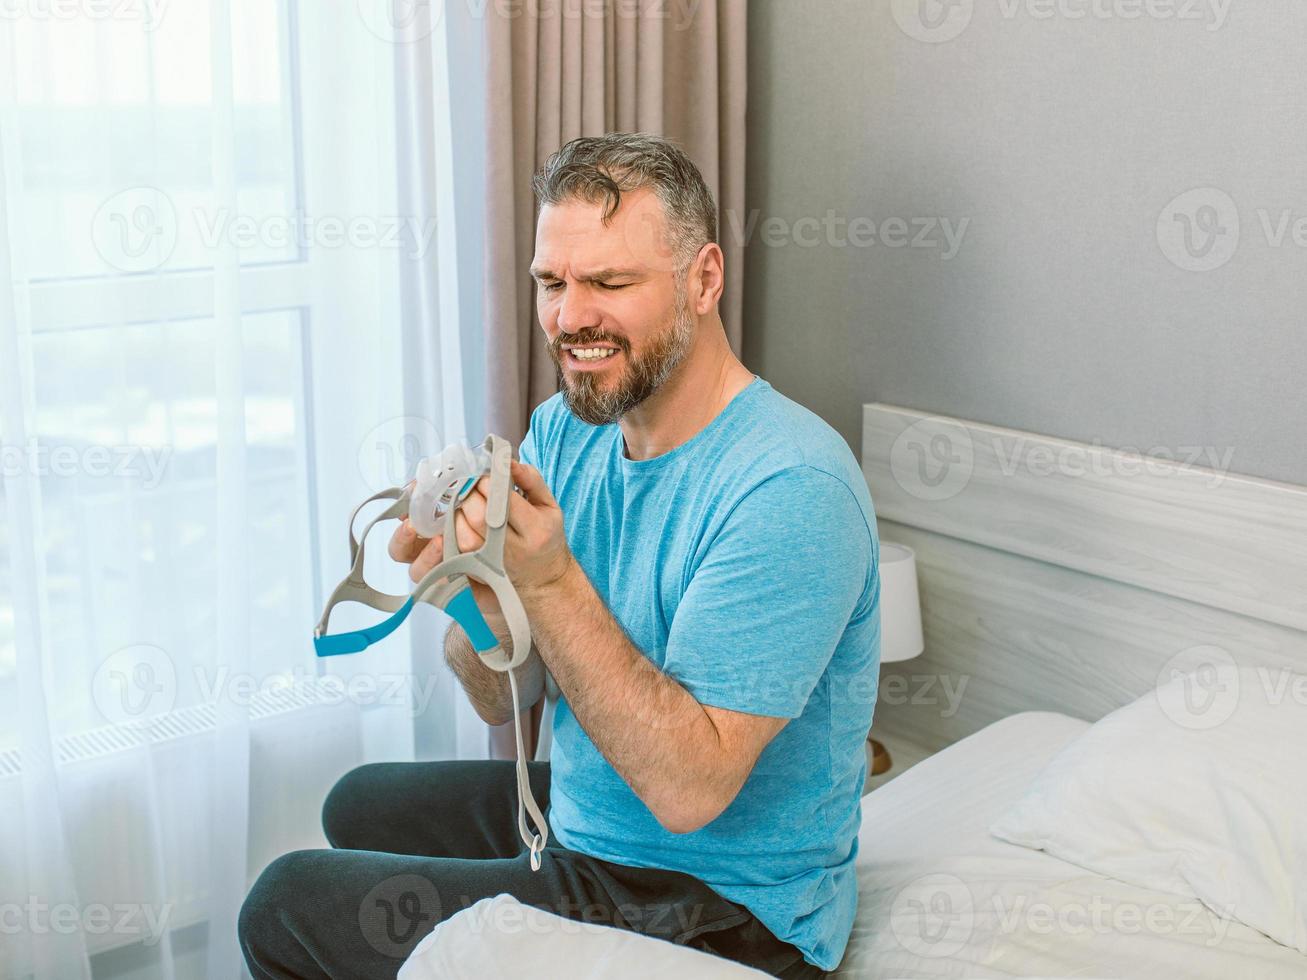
[[599, 168]]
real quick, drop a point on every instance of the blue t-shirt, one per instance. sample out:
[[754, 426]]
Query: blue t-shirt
[[744, 564]]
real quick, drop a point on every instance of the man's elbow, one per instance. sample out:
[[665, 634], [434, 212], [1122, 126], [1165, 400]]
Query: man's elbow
[[492, 718], [684, 816], [677, 823]]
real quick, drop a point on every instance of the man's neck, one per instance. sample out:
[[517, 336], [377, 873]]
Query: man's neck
[[696, 393]]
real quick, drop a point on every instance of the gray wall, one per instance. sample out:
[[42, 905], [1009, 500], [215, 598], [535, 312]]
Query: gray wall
[[1075, 306]]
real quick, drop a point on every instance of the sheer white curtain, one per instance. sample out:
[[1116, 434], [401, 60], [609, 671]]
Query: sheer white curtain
[[227, 314]]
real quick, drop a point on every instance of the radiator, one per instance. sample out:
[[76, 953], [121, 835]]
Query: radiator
[[137, 875]]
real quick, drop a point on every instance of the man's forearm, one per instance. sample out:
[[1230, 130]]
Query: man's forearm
[[488, 689], [649, 728]]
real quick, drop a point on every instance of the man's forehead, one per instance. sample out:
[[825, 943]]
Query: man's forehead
[[573, 235]]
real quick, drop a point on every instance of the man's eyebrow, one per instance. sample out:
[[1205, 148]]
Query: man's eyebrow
[[602, 275]]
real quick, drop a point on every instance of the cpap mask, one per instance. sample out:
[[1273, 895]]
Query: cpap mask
[[430, 503]]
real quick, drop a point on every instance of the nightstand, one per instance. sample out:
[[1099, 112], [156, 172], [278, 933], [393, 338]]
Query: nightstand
[[903, 755], [902, 638]]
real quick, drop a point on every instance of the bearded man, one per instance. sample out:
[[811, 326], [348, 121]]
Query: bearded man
[[697, 555]]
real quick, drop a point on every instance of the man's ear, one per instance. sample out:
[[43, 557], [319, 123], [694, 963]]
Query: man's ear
[[707, 279]]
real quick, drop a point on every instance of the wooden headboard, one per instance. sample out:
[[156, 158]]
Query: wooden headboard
[[1068, 577]]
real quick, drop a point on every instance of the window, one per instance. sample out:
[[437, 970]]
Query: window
[[115, 183]]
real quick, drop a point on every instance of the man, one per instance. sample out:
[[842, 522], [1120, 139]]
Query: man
[[697, 555]]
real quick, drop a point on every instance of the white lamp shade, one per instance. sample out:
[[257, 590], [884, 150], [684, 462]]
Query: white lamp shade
[[900, 605]]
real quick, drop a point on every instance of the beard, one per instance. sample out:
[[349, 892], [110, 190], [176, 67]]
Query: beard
[[598, 400]]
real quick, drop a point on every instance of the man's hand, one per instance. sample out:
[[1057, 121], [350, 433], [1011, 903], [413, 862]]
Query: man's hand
[[423, 554], [488, 690], [536, 554], [535, 544]]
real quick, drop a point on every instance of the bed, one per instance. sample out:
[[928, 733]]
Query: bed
[[938, 896], [1000, 910], [1059, 581]]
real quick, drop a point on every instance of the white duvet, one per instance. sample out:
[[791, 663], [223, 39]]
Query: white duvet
[[501, 939]]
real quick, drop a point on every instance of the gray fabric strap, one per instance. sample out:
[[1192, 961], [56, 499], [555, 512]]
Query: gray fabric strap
[[355, 588], [486, 564]]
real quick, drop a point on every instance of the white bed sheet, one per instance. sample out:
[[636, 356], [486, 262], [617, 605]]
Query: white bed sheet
[[940, 897]]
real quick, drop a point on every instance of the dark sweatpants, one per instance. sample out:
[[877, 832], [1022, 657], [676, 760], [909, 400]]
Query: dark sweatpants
[[416, 842]]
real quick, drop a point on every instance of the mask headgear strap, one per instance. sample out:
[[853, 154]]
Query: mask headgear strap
[[355, 588], [447, 586]]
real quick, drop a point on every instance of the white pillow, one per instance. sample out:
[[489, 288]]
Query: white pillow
[[502, 937], [1198, 788]]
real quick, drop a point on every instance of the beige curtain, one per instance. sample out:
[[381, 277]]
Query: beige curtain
[[567, 68]]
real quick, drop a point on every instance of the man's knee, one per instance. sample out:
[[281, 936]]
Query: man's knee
[[345, 811], [266, 912]]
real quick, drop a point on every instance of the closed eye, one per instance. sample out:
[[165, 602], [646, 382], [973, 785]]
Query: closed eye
[[553, 285]]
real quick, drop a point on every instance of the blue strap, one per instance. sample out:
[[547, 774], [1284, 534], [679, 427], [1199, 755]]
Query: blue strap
[[466, 613], [330, 646]]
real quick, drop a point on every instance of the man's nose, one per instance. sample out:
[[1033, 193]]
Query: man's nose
[[577, 311]]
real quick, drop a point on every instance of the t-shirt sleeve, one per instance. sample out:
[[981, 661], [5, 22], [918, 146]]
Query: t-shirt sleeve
[[529, 450], [526, 452], [767, 605]]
